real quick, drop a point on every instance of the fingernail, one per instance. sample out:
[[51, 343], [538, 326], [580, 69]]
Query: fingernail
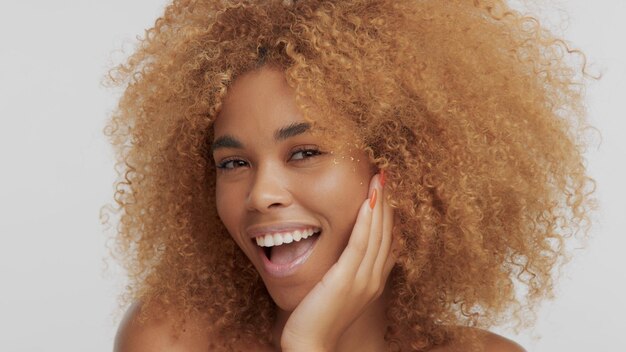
[[373, 199], [382, 177]]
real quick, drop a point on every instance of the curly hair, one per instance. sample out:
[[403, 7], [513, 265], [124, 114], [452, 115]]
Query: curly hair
[[471, 106]]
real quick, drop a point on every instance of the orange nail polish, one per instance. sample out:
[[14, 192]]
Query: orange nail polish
[[373, 199], [382, 177]]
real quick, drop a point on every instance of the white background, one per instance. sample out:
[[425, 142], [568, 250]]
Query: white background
[[56, 293]]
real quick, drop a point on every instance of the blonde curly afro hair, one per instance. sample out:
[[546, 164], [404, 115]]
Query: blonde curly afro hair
[[472, 107]]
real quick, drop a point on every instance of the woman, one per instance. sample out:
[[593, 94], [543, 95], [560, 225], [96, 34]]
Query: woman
[[359, 175]]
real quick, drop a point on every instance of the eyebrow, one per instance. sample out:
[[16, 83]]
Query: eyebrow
[[291, 130]]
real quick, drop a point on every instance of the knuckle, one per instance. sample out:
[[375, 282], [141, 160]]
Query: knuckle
[[359, 247], [373, 288], [360, 286]]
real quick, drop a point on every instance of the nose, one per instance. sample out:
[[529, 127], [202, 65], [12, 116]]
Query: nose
[[269, 190]]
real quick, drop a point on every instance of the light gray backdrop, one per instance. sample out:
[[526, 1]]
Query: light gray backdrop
[[57, 171]]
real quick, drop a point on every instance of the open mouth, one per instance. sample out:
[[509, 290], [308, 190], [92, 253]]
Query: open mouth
[[286, 248]]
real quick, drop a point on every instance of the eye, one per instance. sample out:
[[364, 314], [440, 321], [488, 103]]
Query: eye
[[303, 153], [300, 154], [231, 164]]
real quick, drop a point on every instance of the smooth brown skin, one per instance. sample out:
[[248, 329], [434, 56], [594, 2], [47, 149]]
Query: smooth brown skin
[[277, 182], [160, 336]]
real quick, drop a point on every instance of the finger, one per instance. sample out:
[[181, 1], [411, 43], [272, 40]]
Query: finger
[[375, 233], [391, 258], [385, 245], [352, 256]]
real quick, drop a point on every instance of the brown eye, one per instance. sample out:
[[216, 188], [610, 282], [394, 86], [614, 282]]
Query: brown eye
[[305, 153], [231, 164]]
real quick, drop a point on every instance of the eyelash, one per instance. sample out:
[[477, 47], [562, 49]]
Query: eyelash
[[316, 152]]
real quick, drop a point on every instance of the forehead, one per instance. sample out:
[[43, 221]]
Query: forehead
[[260, 103], [258, 100]]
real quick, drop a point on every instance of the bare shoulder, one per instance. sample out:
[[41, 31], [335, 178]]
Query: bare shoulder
[[496, 343], [156, 335], [490, 341]]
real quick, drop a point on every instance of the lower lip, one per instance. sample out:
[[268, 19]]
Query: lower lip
[[284, 270]]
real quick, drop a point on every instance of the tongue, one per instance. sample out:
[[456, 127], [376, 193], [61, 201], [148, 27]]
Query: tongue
[[286, 253]]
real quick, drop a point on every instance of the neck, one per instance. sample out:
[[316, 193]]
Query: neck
[[366, 333]]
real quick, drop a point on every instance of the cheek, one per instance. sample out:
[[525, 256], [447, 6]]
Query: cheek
[[340, 190], [339, 194], [226, 204], [220, 205]]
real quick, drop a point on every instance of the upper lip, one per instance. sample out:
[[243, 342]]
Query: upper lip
[[263, 229]]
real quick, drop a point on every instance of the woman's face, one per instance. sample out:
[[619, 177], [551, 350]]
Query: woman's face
[[275, 180]]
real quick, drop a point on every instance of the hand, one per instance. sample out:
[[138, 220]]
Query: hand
[[350, 285]]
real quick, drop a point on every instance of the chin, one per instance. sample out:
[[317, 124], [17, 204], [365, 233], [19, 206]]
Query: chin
[[288, 298], [288, 283]]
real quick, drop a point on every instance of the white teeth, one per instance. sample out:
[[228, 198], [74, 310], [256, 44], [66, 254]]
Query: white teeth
[[276, 239]]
